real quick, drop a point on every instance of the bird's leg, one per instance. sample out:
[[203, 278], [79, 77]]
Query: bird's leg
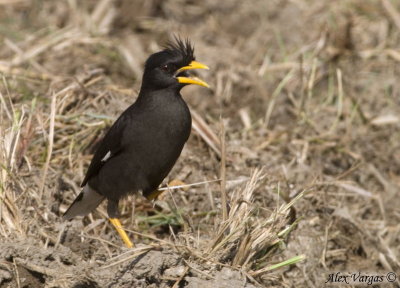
[[112, 209], [154, 195], [118, 226]]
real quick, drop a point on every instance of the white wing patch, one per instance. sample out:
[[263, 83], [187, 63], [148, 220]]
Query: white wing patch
[[108, 156]]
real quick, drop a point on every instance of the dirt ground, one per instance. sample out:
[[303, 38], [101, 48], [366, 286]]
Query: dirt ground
[[300, 129]]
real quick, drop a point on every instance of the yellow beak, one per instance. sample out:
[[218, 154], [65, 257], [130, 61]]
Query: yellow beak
[[192, 80]]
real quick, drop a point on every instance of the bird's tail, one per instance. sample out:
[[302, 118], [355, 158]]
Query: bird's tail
[[84, 203]]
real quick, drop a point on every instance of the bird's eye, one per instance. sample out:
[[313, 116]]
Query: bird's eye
[[165, 68]]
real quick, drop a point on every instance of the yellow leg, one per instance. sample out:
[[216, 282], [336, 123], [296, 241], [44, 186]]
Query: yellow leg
[[115, 222], [154, 195]]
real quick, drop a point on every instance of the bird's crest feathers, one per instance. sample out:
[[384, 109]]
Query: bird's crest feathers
[[181, 47]]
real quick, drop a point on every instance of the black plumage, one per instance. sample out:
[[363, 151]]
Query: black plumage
[[144, 143]]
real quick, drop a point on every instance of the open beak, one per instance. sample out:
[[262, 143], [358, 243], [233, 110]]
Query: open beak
[[192, 80]]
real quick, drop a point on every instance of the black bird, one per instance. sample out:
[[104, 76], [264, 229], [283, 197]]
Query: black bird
[[144, 143]]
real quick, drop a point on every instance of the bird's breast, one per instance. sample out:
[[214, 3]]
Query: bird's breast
[[161, 130], [171, 119]]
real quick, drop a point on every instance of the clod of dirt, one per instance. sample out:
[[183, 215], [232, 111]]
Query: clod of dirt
[[226, 278], [36, 255], [174, 272], [5, 275], [146, 270]]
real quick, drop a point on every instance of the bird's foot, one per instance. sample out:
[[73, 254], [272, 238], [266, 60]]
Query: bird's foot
[[157, 194], [176, 182]]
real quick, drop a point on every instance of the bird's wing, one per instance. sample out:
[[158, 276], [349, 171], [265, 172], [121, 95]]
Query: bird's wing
[[84, 203], [110, 146]]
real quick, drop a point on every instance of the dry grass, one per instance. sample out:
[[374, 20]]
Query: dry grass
[[295, 150]]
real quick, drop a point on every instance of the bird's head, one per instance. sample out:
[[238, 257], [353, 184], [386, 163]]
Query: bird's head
[[170, 67]]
